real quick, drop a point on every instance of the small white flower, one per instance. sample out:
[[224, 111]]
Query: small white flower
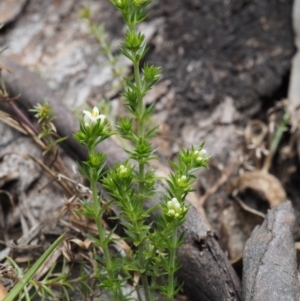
[[201, 155], [175, 208], [122, 169], [91, 118]]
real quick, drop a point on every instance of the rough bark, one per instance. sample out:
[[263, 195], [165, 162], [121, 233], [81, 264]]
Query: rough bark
[[270, 266], [206, 273]]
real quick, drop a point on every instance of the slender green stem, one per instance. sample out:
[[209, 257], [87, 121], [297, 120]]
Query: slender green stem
[[100, 228], [172, 265], [102, 235], [147, 290], [140, 120], [140, 105], [275, 141], [141, 133]]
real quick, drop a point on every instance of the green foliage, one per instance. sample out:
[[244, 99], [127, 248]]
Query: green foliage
[[21, 291], [43, 112], [48, 135], [130, 184]]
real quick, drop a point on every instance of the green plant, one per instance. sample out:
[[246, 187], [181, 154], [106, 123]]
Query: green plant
[[132, 183], [26, 279], [118, 71], [47, 133]]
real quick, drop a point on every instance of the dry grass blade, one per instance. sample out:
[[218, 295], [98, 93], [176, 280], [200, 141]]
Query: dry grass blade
[[24, 248], [10, 121], [82, 244], [67, 249], [20, 126], [29, 245], [33, 233], [48, 264]]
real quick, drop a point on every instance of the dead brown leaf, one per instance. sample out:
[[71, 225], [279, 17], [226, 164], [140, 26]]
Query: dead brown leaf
[[262, 182]]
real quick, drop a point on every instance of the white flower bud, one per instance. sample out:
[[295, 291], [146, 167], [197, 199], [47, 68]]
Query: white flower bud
[[203, 152], [181, 180], [170, 204], [171, 212], [201, 155], [177, 207], [174, 201]]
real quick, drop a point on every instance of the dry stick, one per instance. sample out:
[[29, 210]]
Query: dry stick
[[23, 118], [206, 271]]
